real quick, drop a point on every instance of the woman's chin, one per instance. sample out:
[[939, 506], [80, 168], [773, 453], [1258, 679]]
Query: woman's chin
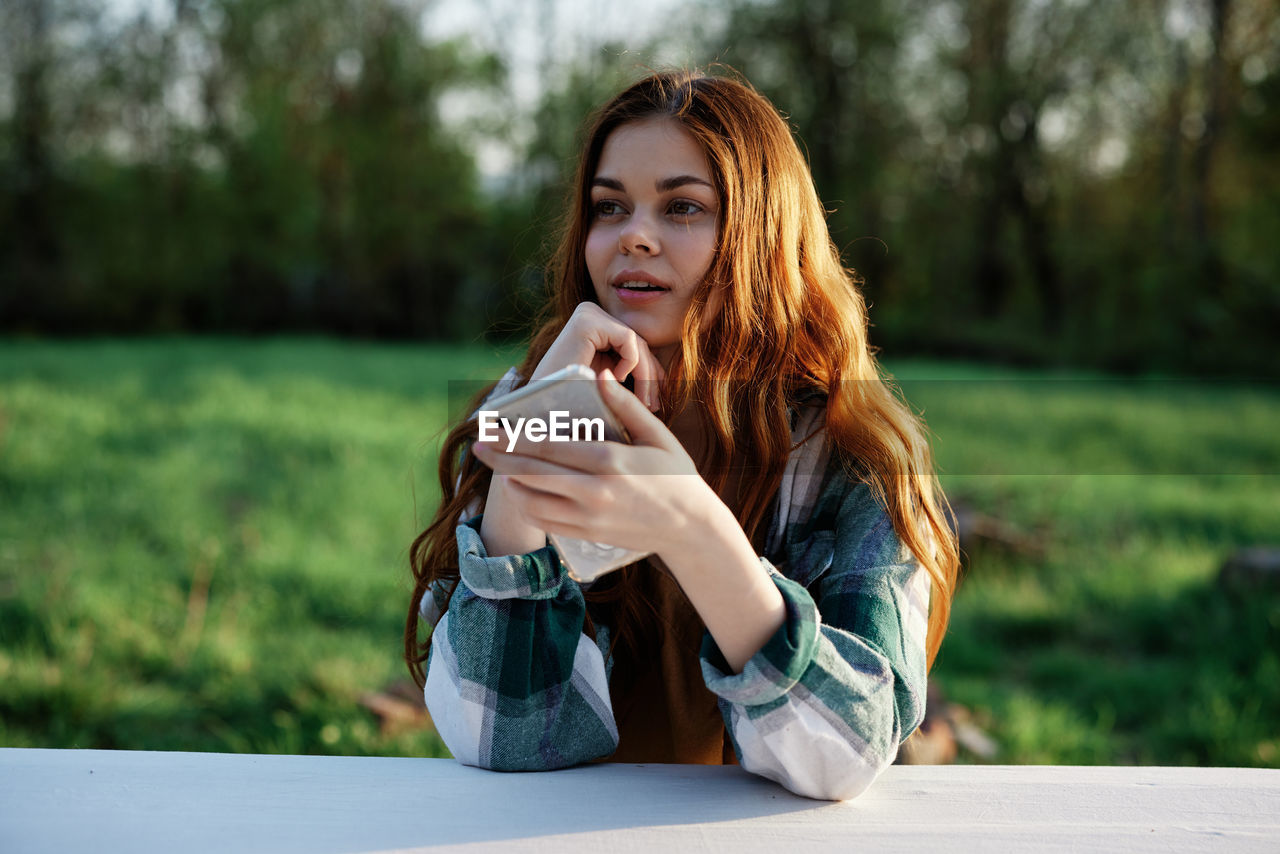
[[655, 332]]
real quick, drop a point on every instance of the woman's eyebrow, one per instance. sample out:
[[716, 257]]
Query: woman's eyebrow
[[668, 184], [664, 186]]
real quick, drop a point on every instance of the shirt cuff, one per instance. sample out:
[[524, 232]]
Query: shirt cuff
[[536, 575], [778, 666]]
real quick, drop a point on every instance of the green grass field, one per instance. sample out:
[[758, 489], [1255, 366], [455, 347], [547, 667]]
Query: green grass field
[[203, 547]]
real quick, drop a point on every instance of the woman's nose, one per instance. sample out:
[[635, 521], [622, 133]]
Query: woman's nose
[[638, 237]]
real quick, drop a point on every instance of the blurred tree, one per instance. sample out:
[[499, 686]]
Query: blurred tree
[[831, 67], [1047, 180], [244, 164], [346, 163], [1186, 280], [1001, 150], [29, 249]]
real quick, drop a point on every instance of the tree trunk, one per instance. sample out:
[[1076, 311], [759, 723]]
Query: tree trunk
[[988, 102], [1208, 264], [34, 237], [1170, 211]]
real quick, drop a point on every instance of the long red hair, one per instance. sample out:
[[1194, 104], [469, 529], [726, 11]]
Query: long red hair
[[792, 318]]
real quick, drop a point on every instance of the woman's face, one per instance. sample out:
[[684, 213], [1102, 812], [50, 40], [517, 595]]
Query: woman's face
[[653, 232]]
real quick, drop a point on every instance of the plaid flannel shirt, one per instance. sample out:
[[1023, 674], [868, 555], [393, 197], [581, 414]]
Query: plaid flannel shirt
[[513, 683]]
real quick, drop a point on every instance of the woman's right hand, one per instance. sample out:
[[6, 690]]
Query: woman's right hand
[[594, 338], [597, 339]]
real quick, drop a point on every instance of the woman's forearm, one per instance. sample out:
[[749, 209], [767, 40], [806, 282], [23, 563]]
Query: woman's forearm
[[719, 571], [502, 530]]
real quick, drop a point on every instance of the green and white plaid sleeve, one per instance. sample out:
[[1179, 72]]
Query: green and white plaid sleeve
[[513, 684], [823, 706]]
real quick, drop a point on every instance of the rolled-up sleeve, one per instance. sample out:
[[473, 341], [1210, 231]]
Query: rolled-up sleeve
[[513, 683], [822, 707]]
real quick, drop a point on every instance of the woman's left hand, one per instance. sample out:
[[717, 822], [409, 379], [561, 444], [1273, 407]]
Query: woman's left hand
[[646, 496]]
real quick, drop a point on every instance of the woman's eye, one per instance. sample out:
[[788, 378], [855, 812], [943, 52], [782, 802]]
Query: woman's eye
[[681, 208], [606, 208]]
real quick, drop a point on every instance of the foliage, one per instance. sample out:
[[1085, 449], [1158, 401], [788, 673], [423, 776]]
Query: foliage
[[1053, 182], [1056, 182], [276, 164], [204, 547]]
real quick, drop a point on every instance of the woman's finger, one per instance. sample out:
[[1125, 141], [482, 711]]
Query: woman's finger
[[558, 514], [589, 457], [649, 375], [634, 356], [548, 511], [595, 338], [648, 378], [540, 474], [635, 359], [627, 344]]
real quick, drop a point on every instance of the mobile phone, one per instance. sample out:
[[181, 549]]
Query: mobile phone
[[569, 407]]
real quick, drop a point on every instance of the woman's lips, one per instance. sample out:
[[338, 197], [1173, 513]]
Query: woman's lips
[[634, 297], [635, 287]]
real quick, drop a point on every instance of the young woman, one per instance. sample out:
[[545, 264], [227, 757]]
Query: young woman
[[788, 495]]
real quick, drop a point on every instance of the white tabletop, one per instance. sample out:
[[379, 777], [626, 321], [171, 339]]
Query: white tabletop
[[92, 801]]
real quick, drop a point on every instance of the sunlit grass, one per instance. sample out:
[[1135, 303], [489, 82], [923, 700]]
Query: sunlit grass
[[203, 546], [204, 543]]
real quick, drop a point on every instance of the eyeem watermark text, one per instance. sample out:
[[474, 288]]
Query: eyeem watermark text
[[560, 428]]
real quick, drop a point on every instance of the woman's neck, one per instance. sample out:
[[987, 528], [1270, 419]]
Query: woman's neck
[[664, 355]]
